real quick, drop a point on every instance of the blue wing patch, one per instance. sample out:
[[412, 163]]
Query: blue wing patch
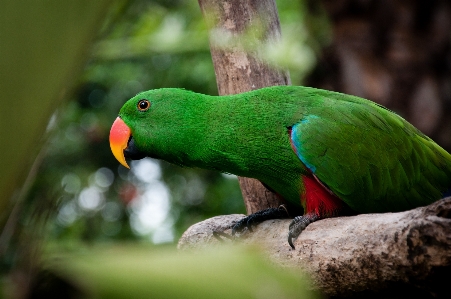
[[295, 134]]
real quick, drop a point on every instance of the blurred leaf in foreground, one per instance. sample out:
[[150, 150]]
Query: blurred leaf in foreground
[[149, 272]]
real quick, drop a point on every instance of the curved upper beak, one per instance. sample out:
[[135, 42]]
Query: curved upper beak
[[119, 136]]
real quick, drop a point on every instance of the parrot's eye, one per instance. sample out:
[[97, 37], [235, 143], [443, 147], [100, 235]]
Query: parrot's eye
[[143, 105]]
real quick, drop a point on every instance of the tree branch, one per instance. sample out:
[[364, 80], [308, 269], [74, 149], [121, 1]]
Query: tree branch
[[376, 253]]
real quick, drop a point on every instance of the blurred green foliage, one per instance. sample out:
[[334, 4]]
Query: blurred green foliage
[[44, 40], [149, 272], [42, 44], [150, 44]]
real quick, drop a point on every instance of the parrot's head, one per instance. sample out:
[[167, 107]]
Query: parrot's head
[[122, 142], [143, 122]]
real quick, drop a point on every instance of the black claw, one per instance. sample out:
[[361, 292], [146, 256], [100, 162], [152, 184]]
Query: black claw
[[258, 217], [290, 241], [298, 224], [240, 226]]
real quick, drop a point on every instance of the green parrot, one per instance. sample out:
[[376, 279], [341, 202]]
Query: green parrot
[[323, 150]]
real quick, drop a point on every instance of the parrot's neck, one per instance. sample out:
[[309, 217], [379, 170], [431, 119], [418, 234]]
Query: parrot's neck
[[233, 134]]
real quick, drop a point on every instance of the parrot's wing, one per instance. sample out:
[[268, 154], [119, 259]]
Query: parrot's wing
[[370, 157]]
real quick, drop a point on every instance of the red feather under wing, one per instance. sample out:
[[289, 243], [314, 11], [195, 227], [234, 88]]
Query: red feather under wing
[[318, 199]]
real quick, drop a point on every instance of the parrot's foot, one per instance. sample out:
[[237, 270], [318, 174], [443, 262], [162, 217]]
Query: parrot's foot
[[298, 224], [258, 217]]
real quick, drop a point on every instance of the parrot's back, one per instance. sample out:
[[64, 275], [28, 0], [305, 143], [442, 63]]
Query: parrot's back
[[367, 155]]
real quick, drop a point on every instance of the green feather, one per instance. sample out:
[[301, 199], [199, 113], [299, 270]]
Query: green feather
[[370, 157]]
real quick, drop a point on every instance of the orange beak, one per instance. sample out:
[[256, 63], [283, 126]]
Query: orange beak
[[119, 135]]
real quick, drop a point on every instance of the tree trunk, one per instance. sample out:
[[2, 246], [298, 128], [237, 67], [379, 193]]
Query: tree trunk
[[394, 52], [238, 29]]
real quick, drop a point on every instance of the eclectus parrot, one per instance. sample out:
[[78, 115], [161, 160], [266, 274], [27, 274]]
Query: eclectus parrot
[[323, 150]]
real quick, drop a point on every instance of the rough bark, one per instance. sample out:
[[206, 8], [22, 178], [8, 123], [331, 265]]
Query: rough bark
[[238, 29], [394, 52], [377, 255]]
